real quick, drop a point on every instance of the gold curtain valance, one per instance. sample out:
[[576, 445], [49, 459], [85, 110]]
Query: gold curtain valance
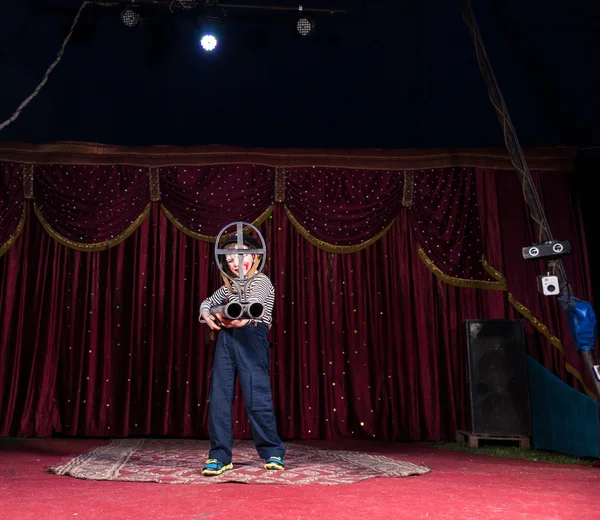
[[9, 243], [540, 159], [208, 238], [153, 180], [98, 246]]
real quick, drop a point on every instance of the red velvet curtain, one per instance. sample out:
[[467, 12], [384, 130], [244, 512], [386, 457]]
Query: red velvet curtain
[[367, 344]]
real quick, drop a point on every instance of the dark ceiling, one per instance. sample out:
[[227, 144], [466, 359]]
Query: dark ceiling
[[388, 74]]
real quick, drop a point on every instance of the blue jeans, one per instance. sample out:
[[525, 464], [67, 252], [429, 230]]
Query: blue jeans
[[242, 351]]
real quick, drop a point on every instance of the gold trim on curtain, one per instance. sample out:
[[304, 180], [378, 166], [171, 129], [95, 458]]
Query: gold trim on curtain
[[208, 238], [408, 189], [9, 243], [332, 248], [460, 282], [28, 181], [543, 329], [100, 246], [501, 285], [280, 184], [154, 183], [524, 311]]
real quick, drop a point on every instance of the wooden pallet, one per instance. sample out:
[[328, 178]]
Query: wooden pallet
[[473, 439]]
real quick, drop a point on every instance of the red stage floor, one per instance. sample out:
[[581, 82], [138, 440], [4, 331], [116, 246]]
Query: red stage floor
[[461, 486]]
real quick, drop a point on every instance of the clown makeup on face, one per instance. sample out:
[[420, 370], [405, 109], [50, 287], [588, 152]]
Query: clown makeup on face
[[233, 261]]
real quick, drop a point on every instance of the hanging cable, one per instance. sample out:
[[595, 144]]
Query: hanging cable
[[517, 157], [17, 112], [580, 314]]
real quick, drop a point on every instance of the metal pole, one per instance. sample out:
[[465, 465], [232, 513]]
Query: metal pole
[[190, 4]]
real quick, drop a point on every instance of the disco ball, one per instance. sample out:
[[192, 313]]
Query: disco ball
[[130, 17], [304, 26]]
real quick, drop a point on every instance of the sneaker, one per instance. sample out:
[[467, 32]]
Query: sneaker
[[275, 463], [214, 467]]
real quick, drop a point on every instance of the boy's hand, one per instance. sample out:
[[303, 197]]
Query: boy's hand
[[232, 324], [210, 321]]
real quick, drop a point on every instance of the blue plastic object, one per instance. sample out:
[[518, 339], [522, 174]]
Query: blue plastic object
[[582, 324]]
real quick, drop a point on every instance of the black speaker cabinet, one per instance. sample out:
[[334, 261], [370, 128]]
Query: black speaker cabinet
[[498, 385]]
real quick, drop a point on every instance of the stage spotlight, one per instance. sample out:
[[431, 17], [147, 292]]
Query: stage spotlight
[[209, 42], [130, 17], [210, 24]]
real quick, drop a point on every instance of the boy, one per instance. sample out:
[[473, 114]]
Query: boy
[[242, 349]]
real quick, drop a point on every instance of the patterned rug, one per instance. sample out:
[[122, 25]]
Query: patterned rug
[[180, 461]]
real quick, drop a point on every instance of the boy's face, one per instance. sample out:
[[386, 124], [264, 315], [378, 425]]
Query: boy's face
[[234, 259]]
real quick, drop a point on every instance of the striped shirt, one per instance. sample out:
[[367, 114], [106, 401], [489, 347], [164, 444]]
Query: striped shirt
[[261, 289]]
